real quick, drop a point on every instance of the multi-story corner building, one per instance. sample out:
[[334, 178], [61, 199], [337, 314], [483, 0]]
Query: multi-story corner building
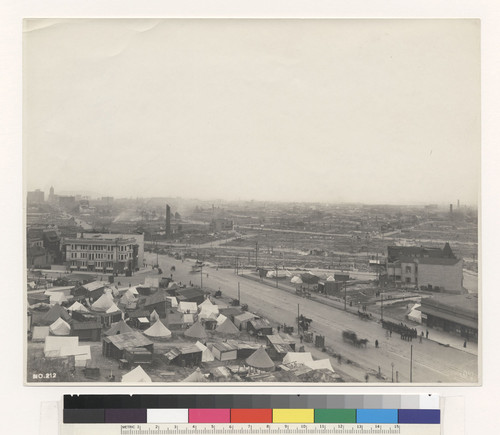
[[428, 268], [35, 197], [105, 253]]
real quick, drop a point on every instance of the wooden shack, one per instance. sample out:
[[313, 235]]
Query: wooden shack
[[86, 331]]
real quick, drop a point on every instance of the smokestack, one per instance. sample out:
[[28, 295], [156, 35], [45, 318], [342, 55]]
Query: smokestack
[[167, 221], [458, 203], [451, 208]]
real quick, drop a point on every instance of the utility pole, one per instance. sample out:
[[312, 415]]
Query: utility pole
[[345, 295], [239, 300], [201, 276], [381, 306], [411, 363], [256, 253], [276, 267], [237, 264], [298, 319]]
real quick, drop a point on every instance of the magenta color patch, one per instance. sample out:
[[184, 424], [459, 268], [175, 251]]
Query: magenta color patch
[[209, 416]]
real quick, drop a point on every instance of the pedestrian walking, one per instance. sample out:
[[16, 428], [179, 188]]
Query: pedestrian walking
[[366, 377], [279, 327], [426, 333], [465, 343], [390, 332], [376, 343]]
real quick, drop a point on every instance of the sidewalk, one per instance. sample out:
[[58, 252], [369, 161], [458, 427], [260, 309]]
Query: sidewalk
[[435, 335]]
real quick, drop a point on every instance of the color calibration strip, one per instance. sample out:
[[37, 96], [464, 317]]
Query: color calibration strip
[[418, 409]]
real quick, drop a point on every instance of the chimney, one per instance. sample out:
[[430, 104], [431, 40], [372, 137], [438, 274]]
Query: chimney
[[167, 221]]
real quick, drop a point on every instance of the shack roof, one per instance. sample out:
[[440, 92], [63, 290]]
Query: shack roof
[[129, 340], [95, 285], [155, 298], [260, 323], [80, 326], [224, 346], [245, 316]]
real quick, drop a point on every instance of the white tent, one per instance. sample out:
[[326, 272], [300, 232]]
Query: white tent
[[207, 303], [136, 375], [296, 280], [188, 319], [59, 327], [78, 307], [208, 310], [196, 376], [103, 303], [154, 316], [188, 307], [112, 309], [133, 291], [206, 354], [415, 315], [40, 333], [320, 364], [81, 353], [298, 357], [330, 278], [128, 297], [53, 345], [173, 301], [158, 330], [221, 319]]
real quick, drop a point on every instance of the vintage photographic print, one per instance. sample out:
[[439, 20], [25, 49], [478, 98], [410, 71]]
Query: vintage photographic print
[[239, 201]]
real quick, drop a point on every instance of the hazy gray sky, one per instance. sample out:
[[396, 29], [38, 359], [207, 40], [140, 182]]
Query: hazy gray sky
[[378, 111]]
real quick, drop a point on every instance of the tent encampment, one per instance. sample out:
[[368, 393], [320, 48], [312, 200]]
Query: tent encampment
[[320, 364], [154, 316], [260, 360], [196, 376], [227, 328], [60, 327], [81, 353], [136, 375], [53, 345], [173, 301], [196, 331], [188, 307], [112, 309], [103, 303], [39, 333], [158, 330], [221, 319], [118, 328], [55, 313], [297, 357], [78, 307], [206, 354]]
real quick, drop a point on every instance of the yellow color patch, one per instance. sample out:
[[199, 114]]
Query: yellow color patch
[[293, 415]]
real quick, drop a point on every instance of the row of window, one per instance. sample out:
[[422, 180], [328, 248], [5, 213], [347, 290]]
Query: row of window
[[100, 247]]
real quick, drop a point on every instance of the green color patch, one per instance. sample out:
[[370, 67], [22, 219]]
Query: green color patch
[[334, 416]]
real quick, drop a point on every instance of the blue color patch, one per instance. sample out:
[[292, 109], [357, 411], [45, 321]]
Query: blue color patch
[[419, 416], [377, 416]]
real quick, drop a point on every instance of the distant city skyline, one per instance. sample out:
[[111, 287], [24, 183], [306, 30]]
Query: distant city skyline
[[335, 111], [97, 195]]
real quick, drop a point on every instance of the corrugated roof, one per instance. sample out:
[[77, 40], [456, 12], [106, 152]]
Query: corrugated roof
[[129, 340]]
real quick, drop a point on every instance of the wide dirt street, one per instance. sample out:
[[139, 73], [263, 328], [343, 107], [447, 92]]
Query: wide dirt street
[[432, 362]]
